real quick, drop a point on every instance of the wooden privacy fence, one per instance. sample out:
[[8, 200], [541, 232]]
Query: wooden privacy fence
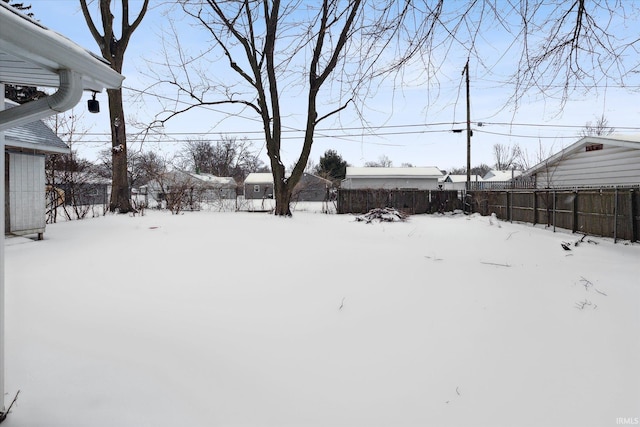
[[408, 201], [607, 212]]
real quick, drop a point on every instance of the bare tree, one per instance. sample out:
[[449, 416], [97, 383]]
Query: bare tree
[[229, 157], [382, 162], [277, 48], [71, 181], [505, 157], [599, 128], [113, 50], [334, 54]]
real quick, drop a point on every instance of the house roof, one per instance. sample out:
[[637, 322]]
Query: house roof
[[31, 54], [214, 180], [461, 178], [259, 178], [496, 175], [381, 172], [34, 136], [626, 141]]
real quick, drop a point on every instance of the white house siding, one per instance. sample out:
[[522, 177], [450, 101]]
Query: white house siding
[[26, 196], [610, 166], [390, 183]]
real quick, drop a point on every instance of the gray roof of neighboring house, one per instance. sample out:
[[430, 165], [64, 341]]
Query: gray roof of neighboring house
[[34, 136]]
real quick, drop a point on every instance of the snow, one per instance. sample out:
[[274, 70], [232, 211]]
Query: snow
[[246, 319]]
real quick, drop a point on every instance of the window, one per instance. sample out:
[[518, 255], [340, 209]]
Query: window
[[256, 188], [593, 147]]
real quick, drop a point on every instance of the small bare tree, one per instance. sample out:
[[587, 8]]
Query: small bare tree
[[505, 157], [382, 162], [599, 128]]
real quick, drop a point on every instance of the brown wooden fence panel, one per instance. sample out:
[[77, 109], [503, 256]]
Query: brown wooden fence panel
[[409, 201], [607, 212]]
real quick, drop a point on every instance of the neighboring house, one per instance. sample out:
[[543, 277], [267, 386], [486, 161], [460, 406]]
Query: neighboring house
[[258, 186], [24, 168], [81, 188], [215, 187], [312, 188], [458, 182], [593, 161], [496, 175], [197, 188], [419, 178]]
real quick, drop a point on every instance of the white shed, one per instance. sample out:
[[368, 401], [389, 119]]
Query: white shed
[[408, 178], [25, 149], [593, 161]]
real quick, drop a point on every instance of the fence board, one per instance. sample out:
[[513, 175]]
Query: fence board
[[408, 201], [608, 212]]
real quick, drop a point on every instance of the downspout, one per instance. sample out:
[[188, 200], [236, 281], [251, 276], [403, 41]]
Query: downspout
[[68, 95]]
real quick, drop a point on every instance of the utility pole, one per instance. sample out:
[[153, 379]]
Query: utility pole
[[465, 71]]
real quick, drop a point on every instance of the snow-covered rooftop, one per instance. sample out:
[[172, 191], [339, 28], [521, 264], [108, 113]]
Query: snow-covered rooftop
[[34, 136], [418, 172]]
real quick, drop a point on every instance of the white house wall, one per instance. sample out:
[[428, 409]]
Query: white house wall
[[390, 183], [26, 196], [607, 167]]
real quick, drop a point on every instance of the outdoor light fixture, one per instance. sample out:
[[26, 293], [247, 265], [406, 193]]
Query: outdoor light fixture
[[93, 105]]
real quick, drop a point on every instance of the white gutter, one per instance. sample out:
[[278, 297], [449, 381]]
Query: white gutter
[[68, 95], [30, 41]]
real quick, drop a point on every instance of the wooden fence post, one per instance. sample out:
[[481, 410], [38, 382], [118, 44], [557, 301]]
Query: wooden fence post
[[615, 216], [574, 215], [632, 214], [554, 211], [535, 206]]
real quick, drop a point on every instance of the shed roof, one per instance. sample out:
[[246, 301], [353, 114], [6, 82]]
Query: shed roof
[[626, 141], [259, 178], [381, 172], [213, 179], [34, 136]]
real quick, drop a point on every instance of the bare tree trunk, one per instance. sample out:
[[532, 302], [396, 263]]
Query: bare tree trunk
[[120, 192], [113, 50]]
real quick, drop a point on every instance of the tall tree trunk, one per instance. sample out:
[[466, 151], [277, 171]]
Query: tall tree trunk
[[113, 50], [120, 191]]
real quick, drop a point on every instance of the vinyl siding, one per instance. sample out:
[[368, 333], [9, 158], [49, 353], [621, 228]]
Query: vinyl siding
[[26, 193], [607, 167]]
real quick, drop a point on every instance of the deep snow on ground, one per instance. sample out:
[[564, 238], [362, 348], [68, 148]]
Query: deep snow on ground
[[246, 319]]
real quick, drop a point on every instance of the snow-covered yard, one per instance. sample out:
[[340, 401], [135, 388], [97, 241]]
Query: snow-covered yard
[[245, 319]]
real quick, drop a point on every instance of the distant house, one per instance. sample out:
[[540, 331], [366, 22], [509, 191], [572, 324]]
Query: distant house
[[258, 186], [497, 175], [310, 187], [192, 188], [458, 182], [216, 187], [25, 195], [419, 178], [591, 161]]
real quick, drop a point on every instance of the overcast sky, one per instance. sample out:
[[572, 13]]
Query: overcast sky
[[415, 121]]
